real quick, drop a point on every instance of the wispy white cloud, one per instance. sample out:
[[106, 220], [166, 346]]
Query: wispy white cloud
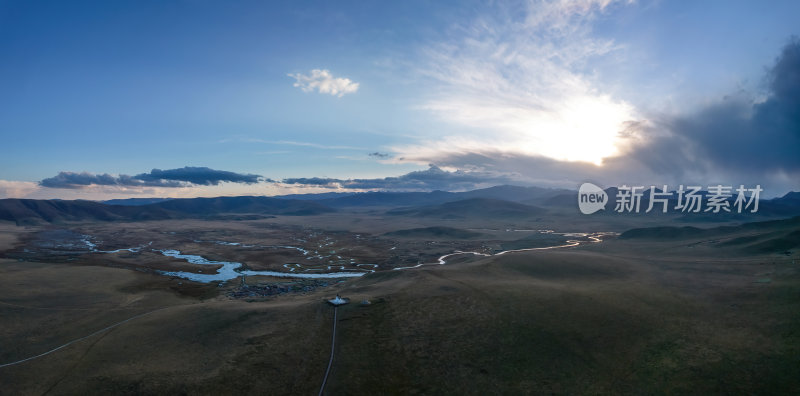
[[294, 143], [32, 190], [723, 141], [324, 82], [519, 84], [314, 145], [17, 189]]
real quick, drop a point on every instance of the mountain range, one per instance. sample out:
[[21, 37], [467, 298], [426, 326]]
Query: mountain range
[[496, 202]]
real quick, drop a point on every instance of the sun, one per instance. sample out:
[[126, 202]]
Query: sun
[[579, 129]]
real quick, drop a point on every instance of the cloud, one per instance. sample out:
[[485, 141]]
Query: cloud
[[533, 170], [742, 134], [379, 155], [323, 82], [434, 178], [738, 138], [517, 82], [308, 144], [85, 179], [295, 143], [735, 140], [181, 177], [17, 189], [518, 92], [564, 16], [198, 175]]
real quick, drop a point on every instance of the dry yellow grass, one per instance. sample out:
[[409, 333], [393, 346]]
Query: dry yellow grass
[[618, 317]]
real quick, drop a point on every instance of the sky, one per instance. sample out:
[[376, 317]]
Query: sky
[[102, 100]]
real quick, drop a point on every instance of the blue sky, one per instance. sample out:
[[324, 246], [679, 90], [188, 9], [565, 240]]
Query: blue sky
[[532, 93]]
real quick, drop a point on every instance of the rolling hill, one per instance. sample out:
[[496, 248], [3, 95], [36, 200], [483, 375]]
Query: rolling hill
[[261, 205], [436, 232], [472, 208], [395, 199], [134, 201], [775, 236], [498, 202], [31, 211]]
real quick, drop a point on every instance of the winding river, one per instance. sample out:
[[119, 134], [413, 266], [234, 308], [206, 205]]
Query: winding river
[[228, 270]]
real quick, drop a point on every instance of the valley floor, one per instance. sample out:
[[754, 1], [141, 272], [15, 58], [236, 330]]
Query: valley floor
[[622, 316]]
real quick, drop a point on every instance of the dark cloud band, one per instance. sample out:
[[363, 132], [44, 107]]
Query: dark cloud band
[[740, 134], [433, 178], [181, 177], [198, 175]]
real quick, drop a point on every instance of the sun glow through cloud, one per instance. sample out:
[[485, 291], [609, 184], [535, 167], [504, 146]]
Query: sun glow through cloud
[[579, 129], [584, 129], [516, 85]]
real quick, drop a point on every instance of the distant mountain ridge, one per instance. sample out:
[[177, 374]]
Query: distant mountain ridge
[[503, 192], [134, 201], [504, 201], [501, 201], [30, 211], [787, 205], [394, 199]]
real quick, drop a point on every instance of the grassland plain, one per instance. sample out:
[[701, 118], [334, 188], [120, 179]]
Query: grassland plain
[[575, 321], [631, 316]]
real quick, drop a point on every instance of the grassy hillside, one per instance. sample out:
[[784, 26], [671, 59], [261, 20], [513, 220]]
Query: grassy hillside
[[31, 211], [435, 232], [707, 314], [472, 208], [775, 236], [607, 319], [569, 322]]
